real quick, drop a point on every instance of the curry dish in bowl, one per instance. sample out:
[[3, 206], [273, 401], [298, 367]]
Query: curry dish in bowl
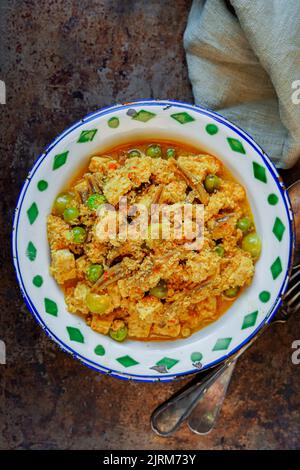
[[152, 287]]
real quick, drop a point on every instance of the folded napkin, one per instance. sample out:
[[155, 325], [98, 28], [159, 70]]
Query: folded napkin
[[243, 57]]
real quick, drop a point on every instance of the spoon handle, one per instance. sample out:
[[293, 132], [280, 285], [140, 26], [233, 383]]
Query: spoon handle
[[169, 416], [204, 417]]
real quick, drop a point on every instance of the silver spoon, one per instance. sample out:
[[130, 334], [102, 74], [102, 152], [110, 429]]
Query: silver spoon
[[167, 418]]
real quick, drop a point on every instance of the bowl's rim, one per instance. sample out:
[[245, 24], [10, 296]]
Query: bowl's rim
[[114, 108]]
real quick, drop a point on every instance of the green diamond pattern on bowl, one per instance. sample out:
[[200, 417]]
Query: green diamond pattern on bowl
[[278, 229], [113, 122], [264, 296], [31, 251], [32, 213], [249, 320], [196, 356], [183, 118], [276, 268], [75, 334], [127, 361], [99, 350], [211, 129], [259, 172], [60, 160], [167, 362], [222, 344], [236, 145], [37, 281], [87, 136], [143, 115], [272, 199], [42, 185], [51, 307]]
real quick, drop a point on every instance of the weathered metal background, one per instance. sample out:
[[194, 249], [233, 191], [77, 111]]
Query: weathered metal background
[[61, 59]]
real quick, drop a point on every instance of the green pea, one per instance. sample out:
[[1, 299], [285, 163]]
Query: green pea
[[154, 151], [120, 334], [71, 214], [252, 244], [219, 249], [95, 201], [212, 183], [78, 234], [231, 292], [94, 272], [61, 202], [134, 154], [244, 224], [97, 303], [160, 291], [170, 153]]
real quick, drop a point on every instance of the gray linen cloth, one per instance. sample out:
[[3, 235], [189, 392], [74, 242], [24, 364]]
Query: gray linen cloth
[[243, 65]]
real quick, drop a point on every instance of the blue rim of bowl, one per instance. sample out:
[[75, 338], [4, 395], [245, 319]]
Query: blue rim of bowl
[[164, 104]]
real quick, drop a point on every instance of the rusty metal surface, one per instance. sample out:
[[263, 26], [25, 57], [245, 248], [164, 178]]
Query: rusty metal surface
[[61, 59]]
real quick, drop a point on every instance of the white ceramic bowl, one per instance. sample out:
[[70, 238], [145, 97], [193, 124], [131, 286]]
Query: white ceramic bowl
[[150, 361]]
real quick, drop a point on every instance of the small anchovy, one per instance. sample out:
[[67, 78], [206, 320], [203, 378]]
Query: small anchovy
[[187, 177], [88, 182], [160, 369], [131, 112], [94, 183], [198, 365], [113, 274], [83, 195], [155, 199], [224, 219]]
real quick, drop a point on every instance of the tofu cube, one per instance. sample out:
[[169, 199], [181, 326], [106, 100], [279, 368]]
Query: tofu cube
[[63, 266]]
